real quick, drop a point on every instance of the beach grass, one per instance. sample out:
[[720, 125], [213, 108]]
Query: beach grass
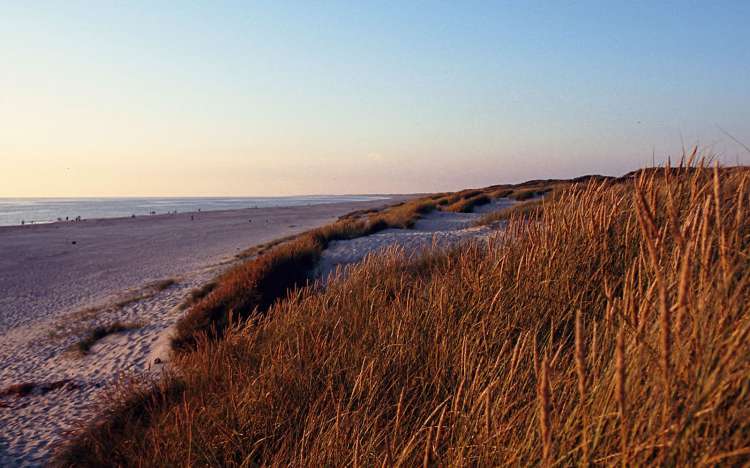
[[250, 288], [467, 205], [196, 294], [613, 330], [98, 333], [529, 193], [531, 210]]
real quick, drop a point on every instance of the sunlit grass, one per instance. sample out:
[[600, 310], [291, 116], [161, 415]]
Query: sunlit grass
[[612, 331]]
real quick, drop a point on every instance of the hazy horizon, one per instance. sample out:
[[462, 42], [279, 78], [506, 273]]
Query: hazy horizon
[[152, 99]]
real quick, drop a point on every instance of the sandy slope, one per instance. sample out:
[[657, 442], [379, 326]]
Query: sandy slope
[[53, 291], [438, 228]]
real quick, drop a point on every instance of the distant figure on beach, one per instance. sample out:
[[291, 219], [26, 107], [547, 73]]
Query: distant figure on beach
[[23, 222], [192, 217]]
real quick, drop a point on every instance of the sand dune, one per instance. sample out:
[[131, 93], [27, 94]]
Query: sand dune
[[138, 272], [55, 291], [438, 228]]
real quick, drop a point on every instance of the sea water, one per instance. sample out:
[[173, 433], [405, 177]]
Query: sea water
[[17, 211]]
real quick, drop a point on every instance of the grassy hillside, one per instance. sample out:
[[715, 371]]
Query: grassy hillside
[[251, 287], [272, 270], [612, 329]]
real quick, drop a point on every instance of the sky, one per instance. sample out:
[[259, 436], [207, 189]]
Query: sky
[[151, 98]]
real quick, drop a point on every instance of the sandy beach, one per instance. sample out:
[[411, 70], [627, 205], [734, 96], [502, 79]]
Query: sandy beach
[[61, 280]]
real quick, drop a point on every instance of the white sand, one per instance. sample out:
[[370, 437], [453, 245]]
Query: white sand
[[47, 283], [441, 229]]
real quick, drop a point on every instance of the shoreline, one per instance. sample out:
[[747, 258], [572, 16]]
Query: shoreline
[[374, 198], [137, 250], [62, 280]]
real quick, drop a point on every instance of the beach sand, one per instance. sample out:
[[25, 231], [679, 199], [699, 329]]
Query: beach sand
[[59, 281]]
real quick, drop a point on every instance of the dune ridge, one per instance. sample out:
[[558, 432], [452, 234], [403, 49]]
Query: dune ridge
[[610, 331]]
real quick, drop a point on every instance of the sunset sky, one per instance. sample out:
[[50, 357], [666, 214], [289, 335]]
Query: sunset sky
[[280, 98]]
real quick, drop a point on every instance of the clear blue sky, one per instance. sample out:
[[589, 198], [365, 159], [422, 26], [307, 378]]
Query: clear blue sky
[[261, 98]]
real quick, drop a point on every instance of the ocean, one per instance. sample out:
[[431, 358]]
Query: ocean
[[17, 211]]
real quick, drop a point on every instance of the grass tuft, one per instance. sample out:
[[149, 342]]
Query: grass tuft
[[529, 193], [467, 205], [196, 294], [35, 388], [100, 332]]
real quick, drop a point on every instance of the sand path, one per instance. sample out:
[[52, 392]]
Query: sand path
[[442, 229]]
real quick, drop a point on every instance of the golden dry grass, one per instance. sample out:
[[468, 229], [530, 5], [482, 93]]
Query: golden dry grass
[[467, 205], [250, 288], [448, 199], [531, 203], [529, 193], [531, 209], [196, 294], [500, 193], [613, 331]]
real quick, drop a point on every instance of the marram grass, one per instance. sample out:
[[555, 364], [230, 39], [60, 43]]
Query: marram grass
[[612, 331]]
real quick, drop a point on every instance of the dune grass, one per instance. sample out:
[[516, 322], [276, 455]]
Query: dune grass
[[260, 249], [403, 216], [531, 202], [196, 294], [531, 209], [466, 201], [613, 331], [467, 205], [445, 200], [500, 193], [98, 333], [253, 286], [529, 193]]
